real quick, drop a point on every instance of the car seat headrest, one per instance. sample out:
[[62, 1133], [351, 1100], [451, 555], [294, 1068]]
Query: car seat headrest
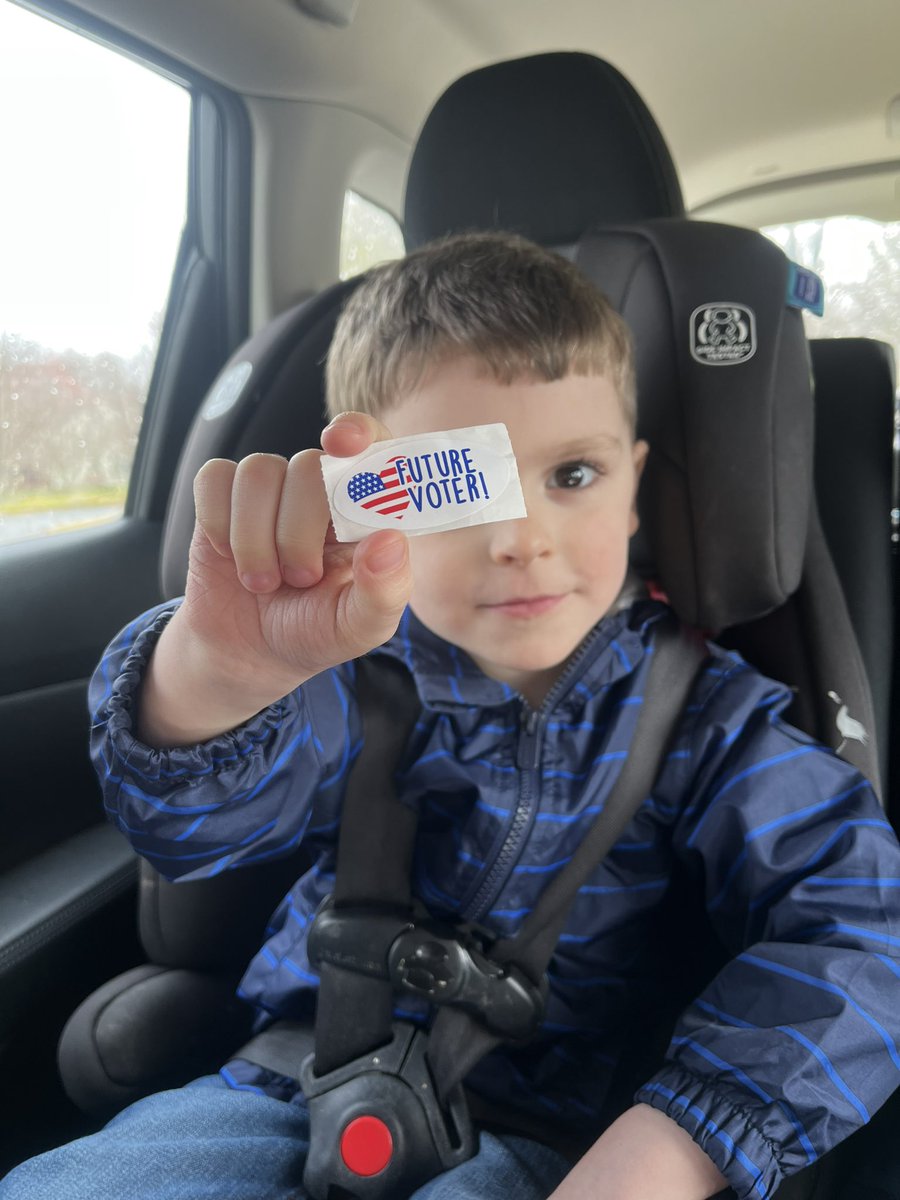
[[542, 146], [725, 401]]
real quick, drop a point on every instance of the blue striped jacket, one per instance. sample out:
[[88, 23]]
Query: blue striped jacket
[[754, 899]]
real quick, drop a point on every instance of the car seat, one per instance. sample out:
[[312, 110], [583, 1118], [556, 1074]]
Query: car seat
[[136, 1034]]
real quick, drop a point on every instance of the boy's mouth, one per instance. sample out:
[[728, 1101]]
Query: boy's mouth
[[526, 606]]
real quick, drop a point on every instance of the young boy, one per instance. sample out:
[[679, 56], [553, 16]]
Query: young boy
[[225, 727]]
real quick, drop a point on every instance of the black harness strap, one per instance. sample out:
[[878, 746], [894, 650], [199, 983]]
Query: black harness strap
[[374, 863]]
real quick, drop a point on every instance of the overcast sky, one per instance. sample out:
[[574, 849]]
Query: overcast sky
[[93, 162]]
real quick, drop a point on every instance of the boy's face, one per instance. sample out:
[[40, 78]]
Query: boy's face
[[519, 596]]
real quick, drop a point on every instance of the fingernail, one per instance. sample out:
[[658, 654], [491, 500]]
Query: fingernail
[[388, 557], [342, 418]]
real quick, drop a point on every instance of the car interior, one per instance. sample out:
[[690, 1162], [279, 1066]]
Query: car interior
[[654, 163]]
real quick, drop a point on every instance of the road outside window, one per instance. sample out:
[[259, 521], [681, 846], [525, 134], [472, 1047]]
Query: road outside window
[[95, 155]]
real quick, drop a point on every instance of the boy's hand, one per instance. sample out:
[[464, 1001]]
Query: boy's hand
[[271, 598]]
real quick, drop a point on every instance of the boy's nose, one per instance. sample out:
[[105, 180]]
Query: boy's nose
[[519, 542]]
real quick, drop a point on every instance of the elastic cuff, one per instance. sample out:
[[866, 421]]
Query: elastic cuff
[[227, 752], [720, 1126], [124, 687]]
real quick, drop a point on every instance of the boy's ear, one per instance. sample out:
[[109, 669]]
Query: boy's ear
[[638, 457]]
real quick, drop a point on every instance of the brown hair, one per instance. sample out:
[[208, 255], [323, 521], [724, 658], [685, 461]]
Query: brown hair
[[521, 310]]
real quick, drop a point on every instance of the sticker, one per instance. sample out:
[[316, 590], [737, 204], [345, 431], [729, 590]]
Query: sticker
[[805, 289], [723, 334], [425, 484], [226, 390]]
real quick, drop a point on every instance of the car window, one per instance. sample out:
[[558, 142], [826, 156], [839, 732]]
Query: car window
[[95, 156], [369, 235], [858, 260]]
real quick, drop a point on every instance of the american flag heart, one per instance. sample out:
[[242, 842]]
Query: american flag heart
[[382, 492]]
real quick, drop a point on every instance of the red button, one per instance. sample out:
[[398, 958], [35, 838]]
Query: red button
[[366, 1146]]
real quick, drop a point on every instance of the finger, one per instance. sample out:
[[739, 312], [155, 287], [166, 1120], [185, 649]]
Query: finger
[[255, 498], [351, 433], [212, 502], [303, 518], [382, 581]]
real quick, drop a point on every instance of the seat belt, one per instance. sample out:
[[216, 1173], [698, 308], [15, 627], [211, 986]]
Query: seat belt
[[387, 1107]]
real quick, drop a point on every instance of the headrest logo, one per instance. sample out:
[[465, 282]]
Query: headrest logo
[[723, 334]]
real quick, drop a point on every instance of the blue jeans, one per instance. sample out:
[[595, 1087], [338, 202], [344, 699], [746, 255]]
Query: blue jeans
[[209, 1140]]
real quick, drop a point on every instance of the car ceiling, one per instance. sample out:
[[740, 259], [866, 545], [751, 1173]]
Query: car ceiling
[[747, 94]]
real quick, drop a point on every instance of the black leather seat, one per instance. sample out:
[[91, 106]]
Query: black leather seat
[[855, 387], [155, 1027]]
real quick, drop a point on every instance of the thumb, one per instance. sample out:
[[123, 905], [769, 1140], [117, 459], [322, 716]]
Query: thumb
[[382, 581]]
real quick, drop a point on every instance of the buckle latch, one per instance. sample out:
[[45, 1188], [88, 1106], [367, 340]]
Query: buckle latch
[[377, 1128], [440, 963], [445, 969]]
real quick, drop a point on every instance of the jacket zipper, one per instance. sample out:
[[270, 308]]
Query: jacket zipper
[[532, 723]]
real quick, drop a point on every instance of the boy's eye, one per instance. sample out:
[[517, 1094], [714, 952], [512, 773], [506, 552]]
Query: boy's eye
[[573, 475]]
